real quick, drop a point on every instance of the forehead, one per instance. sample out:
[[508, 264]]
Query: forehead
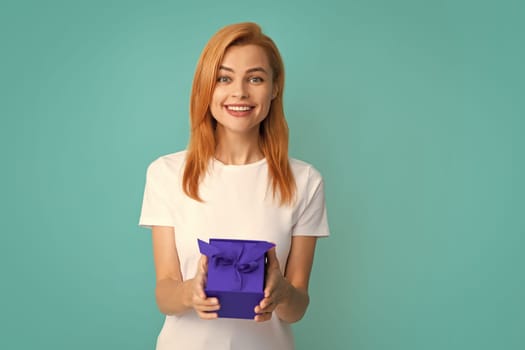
[[245, 57]]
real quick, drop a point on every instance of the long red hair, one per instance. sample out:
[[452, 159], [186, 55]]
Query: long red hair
[[273, 131]]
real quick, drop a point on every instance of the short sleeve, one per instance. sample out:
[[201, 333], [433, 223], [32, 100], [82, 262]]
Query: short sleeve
[[157, 203], [312, 220]]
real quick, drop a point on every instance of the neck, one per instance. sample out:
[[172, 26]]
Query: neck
[[237, 148]]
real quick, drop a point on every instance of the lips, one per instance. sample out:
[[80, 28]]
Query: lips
[[239, 110]]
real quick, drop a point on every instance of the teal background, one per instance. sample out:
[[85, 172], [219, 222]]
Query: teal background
[[412, 110]]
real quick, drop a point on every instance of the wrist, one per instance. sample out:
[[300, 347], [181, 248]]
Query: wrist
[[187, 293], [288, 292]]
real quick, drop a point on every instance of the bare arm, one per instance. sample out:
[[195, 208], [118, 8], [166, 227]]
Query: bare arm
[[175, 296], [288, 294]]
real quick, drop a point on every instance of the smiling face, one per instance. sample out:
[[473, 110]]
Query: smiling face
[[244, 90]]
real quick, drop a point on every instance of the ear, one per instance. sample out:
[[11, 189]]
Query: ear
[[275, 91]]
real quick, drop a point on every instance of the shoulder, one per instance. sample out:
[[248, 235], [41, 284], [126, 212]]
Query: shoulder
[[308, 180], [166, 165], [304, 171]]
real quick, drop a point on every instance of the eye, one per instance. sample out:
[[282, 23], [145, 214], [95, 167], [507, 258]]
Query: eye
[[256, 80], [223, 79]]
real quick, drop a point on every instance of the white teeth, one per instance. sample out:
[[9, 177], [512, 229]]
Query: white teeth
[[239, 108]]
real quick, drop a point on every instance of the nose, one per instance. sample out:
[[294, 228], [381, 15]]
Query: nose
[[240, 89]]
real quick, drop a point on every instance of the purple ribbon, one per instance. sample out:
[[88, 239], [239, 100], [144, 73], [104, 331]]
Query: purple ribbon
[[239, 257]]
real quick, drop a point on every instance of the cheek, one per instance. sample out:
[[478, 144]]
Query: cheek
[[215, 105], [269, 100], [265, 110], [215, 98], [265, 96], [219, 94], [216, 101]]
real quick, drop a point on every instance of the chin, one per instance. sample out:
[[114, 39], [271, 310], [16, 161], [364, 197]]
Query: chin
[[236, 129]]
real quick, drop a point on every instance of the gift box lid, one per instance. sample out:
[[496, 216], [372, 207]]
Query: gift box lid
[[235, 265]]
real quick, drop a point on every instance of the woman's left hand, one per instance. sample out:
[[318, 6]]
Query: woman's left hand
[[276, 290]]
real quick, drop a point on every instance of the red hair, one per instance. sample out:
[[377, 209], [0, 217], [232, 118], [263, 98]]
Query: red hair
[[273, 130]]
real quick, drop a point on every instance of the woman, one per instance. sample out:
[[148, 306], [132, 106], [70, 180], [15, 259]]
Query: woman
[[234, 181]]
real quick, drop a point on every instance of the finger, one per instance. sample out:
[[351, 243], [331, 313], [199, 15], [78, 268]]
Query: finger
[[268, 292], [198, 286], [204, 302], [270, 284], [265, 302], [258, 309], [208, 315], [270, 288], [207, 308], [263, 317], [266, 308], [268, 304], [203, 264]]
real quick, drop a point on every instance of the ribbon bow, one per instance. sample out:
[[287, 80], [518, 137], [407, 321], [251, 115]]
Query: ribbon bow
[[240, 257]]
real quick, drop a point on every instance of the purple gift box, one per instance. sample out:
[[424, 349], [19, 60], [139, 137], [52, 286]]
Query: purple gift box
[[236, 272]]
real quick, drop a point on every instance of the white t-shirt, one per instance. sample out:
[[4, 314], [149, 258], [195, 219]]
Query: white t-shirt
[[238, 204]]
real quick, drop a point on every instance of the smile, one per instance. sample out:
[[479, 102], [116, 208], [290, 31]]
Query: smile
[[238, 108]]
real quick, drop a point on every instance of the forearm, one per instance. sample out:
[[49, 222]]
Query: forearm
[[173, 297], [294, 306]]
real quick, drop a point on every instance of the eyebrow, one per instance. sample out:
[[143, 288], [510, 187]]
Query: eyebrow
[[251, 70]]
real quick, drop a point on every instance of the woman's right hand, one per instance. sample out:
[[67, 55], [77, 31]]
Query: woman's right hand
[[205, 307]]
